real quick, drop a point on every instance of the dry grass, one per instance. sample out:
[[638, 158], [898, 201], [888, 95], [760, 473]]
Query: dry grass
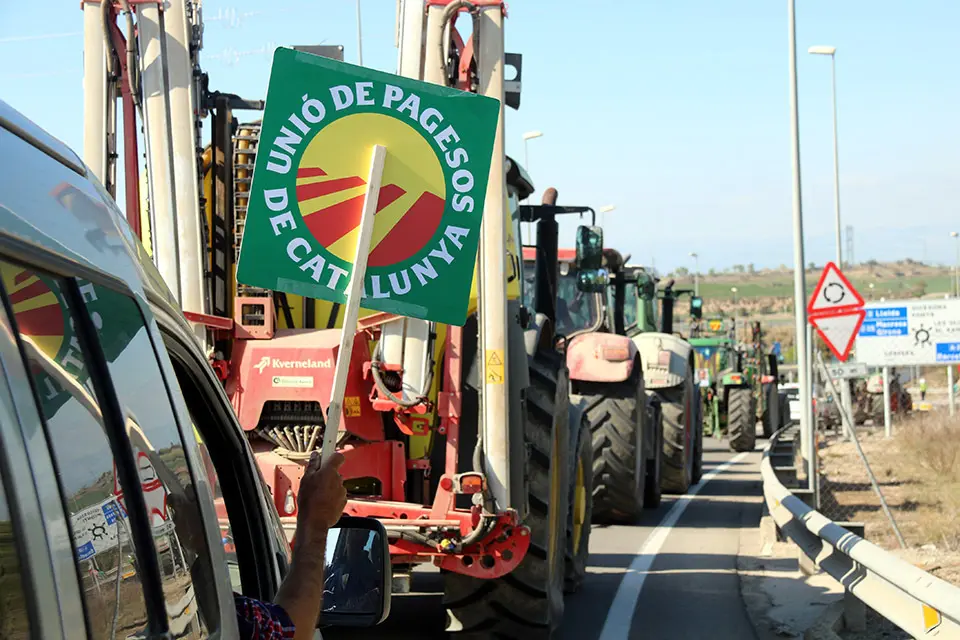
[[918, 471]]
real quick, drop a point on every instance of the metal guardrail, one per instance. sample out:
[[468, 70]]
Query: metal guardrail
[[919, 603]]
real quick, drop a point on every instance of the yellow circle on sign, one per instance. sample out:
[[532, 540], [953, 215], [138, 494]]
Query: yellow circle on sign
[[331, 182]]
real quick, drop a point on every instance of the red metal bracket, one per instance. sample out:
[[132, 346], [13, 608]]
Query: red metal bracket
[[218, 323]]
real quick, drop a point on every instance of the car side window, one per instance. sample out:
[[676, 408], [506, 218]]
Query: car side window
[[14, 618], [186, 568], [105, 555]]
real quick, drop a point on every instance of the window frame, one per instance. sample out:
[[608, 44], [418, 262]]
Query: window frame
[[67, 271], [38, 579]]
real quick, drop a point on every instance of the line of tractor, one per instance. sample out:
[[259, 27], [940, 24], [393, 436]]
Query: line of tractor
[[567, 398]]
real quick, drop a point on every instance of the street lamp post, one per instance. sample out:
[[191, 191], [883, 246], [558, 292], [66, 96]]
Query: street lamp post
[[832, 52], [527, 137], [956, 278], [799, 273], [956, 264], [607, 208], [696, 273], [733, 290], [359, 38]]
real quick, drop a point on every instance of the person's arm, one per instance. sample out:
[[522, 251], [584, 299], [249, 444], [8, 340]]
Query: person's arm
[[321, 502]]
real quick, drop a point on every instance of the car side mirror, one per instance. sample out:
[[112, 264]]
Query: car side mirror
[[589, 248], [696, 307], [592, 281], [357, 577]]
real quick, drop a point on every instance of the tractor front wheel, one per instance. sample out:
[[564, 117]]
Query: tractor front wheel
[[741, 419], [679, 414], [528, 602], [617, 420], [581, 510]]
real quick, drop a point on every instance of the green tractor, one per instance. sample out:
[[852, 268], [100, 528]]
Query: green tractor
[[738, 383], [669, 370]]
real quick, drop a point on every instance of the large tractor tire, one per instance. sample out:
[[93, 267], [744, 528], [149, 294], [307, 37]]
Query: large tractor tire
[[580, 513], [617, 417], [679, 425], [741, 419], [528, 602]]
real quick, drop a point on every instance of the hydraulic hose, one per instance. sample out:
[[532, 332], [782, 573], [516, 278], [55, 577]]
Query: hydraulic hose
[[133, 75]]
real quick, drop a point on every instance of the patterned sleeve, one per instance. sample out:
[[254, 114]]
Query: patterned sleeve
[[258, 620]]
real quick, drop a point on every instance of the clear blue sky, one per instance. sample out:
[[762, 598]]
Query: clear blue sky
[[675, 111]]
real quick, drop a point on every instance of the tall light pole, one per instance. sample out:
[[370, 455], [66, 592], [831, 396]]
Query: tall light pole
[[799, 272], [696, 273], [607, 208], [832, 52], [956, 264], [359, 38], [527, 137]]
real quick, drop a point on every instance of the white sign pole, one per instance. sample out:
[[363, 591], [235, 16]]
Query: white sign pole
[[352, 311], [950, 389], [887, 428]]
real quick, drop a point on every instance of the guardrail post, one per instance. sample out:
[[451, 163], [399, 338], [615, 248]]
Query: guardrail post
[[854, 610], [806, 564]]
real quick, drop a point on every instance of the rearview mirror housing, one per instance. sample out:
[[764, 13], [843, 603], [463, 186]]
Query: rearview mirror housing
[[589, 248], [593, 280], [357, 577]]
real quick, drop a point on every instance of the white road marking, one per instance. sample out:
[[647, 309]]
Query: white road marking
[[620, 616]]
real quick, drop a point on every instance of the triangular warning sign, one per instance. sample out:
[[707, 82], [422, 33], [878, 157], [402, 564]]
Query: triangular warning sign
[[494, 359], [839, 331], [833, 293]]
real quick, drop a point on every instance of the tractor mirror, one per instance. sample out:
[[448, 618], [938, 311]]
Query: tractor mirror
[[357, 575], [589, 248], [696, 307], [592, 281]]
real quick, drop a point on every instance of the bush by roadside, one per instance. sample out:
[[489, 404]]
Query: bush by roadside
[[918, 471]]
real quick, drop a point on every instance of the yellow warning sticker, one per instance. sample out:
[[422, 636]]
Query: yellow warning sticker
[[351, 407], [931, 618], [494, 362]]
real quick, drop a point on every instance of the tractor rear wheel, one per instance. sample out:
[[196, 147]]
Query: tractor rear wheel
[[770, 418], [741, 419], [528, 602], [679, 413], [617, 421], [581, 510]]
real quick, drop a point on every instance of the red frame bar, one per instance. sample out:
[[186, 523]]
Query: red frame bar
[[214, 322], [131, 171]]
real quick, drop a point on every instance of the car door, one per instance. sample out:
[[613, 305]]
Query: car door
[[146, 555]]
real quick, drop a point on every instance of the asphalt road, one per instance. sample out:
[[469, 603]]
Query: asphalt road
[[671, 576]]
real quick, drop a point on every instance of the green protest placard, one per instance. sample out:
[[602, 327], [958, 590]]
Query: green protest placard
[[321, 121]]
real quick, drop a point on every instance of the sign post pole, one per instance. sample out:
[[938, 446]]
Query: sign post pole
[[950, 389], [352, 311], [886, 402]]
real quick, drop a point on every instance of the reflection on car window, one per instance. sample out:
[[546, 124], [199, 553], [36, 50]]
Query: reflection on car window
[[103, 545], [189, 587], [14, 621]]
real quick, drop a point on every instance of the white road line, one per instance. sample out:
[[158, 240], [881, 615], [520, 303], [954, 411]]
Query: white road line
[[620, 615]]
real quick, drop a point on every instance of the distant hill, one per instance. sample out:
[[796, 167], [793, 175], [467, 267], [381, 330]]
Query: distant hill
[[767, 294], [770, 291]]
